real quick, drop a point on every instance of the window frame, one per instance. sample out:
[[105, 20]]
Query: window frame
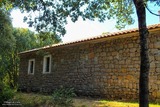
[[29, 66], [45, 62]]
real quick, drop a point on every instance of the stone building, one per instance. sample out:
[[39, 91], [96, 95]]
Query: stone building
[[107, 65]]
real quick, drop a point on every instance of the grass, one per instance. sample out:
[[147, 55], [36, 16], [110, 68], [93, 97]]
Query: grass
[[32, 100], [39, 100], [121, 104]]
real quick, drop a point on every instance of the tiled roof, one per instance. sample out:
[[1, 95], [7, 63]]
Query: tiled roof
[[93, 38]]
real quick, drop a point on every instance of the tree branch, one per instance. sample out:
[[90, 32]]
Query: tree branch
[[151, 11]]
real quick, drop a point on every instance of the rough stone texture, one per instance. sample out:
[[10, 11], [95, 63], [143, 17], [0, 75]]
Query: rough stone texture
[[108, 68]]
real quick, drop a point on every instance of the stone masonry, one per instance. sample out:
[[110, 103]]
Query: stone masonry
[[107, 67]]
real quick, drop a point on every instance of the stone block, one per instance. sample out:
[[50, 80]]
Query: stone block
[[91, 55], [157, 44], [136, 59], [130, 45], [152, 65], [154, 94], [103, 54], [158, 100], [157, 57], [157, 69], [158, 94], [114, 53], [151, 45], [157, 65], [153, 51], [158, 82]]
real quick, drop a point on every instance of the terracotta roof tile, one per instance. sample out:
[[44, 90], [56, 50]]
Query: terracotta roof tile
[[93, 38]]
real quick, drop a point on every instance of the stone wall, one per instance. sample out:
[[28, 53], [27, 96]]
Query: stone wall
[[108, 68]]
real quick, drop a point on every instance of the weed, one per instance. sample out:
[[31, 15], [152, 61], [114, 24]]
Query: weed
[[63, 97]]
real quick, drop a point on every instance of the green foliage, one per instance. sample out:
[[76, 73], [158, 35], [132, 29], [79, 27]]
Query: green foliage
[[7, 41], [53, 14], [25, 39], [6, 4], [5, 93], [47, 38], [63, 97]]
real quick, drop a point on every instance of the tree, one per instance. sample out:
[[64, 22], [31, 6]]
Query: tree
[[145, 65], [47, 38], [24, 39], [53, 15], [7, 41]]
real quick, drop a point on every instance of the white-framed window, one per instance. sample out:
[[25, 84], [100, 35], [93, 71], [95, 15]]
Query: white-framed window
[[47, 64], [31, 66]]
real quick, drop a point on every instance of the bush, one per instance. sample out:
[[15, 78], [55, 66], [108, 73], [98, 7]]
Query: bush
[[63, 97], [5, 93]]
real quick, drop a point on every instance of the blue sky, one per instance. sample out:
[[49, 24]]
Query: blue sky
[[85, 29]]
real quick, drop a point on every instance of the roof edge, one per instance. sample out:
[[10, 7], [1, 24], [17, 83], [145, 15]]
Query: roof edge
[[150, 27]]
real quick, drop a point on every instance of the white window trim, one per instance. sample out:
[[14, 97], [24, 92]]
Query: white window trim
[[44, 63], [29, 66]]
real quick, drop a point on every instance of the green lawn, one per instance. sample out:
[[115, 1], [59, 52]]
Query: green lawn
[[38, 100]]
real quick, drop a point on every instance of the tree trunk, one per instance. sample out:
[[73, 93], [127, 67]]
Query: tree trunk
[[144, 66]]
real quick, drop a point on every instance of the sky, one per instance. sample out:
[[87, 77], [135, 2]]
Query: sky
[[86, 29]]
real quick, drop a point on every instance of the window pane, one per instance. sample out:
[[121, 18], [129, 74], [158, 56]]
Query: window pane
[[31, 67], [47, 63]]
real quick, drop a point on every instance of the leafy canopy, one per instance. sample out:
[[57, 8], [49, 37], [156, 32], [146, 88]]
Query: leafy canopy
[[52, 15]]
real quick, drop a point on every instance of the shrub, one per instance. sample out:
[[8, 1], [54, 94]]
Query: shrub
[[63, 97], [5, 93]]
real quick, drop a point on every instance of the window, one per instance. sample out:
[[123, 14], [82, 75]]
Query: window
[[31, 65], [47, 64]]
